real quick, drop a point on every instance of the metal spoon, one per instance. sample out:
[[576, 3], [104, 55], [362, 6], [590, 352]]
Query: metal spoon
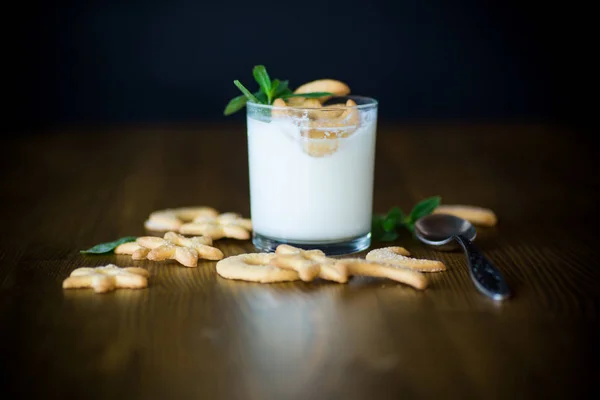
[[444, 232]]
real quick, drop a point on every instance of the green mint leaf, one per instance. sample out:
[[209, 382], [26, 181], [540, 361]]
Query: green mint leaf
[[394, 218], [246, 92], [274, 86], [262, 98], [269, 90], [389, 236], [283, 94], [377, 221], [108, 247], [264, 81], [239, 102], [389, 224], [378, 218], [311, 95], [235, 105], [423, 208], [280, 88], [397, 213], [377, 226], [383, 227]]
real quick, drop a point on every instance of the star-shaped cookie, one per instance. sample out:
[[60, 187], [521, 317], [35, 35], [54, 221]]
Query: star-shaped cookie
[[227, 225], [107, 278], [172, 246]]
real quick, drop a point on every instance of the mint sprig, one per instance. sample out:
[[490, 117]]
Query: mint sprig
[[269, 90], [246, 92], [239, 102], [109, 246], [385, 227], [264, 81]]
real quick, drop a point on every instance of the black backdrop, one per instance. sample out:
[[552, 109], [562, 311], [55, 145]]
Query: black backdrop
[[174, 61]]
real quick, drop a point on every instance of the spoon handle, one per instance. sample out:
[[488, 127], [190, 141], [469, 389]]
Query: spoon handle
[[486, 276]]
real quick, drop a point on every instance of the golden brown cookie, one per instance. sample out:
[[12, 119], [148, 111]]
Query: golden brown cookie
[[108, 278], [337, 88], [309, 264], [362, 267], [172, 246], [254, 267], [475, 215], [399, 257], [171, 219], [227, 225]]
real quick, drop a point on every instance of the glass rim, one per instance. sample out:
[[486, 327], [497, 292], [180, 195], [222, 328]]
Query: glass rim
[[368, 102]]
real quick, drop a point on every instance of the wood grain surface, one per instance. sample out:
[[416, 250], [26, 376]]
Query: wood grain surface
[[192, 334]]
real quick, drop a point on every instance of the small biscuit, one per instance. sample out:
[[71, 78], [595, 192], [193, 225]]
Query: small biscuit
[[328, 112], [319, 143], [337, 88], [186, 251], [134, 249], [127, 248], [172, 246], [171, 219], [226, 225], [190, 213], [106, 279], [398, 256], [163, 221], [475, 215], [254, 267], [379, 270], [340, 126], [309, 264], [279, 109], [302, 108], [312, 263]]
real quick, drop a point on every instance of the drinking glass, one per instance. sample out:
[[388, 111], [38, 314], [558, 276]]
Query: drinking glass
[[311, 175]]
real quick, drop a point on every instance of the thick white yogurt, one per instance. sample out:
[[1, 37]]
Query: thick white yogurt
[[299, 197]]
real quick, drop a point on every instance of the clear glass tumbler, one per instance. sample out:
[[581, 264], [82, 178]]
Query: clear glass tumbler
[[311, 175]]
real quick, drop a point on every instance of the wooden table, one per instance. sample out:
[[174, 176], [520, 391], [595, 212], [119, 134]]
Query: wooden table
[[193, 334]]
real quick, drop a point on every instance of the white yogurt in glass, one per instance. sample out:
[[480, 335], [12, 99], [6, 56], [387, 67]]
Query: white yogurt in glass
[[299, 198]]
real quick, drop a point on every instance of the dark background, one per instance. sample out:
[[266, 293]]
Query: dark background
[[114, 62]]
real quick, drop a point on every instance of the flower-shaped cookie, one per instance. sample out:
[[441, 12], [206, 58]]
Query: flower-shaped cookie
[[172, 246], [227, 225], [309, 264], [171, 219], [108, 278]]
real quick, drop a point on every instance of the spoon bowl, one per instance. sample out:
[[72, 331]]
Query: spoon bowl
[[439, 230], [444, 232]]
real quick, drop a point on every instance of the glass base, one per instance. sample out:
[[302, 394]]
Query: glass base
[[267, 244]]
